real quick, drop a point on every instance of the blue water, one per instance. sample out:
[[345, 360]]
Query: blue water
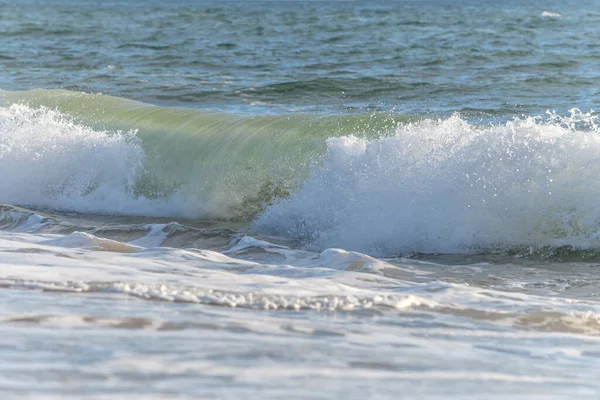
[[480, 58]]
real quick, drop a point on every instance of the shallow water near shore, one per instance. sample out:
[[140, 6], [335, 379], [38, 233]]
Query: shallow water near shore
[[300, 200], [160, 308]]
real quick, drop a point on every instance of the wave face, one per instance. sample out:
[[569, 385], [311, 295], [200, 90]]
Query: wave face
[[94, 153], [448, 186], [375, 183]]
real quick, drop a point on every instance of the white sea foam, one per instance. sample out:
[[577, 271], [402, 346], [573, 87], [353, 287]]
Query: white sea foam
[[450, 186], [16, 220], [332, 280], [49, 160], [155, 236], [550, 14], [84, 240], [81, 262]]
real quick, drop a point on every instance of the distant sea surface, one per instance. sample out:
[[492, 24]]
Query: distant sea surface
[[299, 199]]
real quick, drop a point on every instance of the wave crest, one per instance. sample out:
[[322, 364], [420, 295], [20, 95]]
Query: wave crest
[[179, 163], [47, 160], [447, 186]]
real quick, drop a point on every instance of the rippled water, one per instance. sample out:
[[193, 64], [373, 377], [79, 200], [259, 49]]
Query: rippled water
[[300, 200], [107, 312], [485, 58]]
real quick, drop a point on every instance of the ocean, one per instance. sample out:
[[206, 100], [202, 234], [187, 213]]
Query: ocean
[[300, 200]]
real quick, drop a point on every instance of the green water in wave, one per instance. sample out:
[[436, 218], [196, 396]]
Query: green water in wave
[[215, 157]]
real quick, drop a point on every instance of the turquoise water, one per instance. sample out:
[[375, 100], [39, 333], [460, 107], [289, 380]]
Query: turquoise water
[[299, 199]]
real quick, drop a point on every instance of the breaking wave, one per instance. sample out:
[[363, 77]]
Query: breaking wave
[[446, 186], [377, 183], [95, 153]]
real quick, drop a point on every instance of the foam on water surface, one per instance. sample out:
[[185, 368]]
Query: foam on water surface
[[451, 186], [550, 14], [334, 280]]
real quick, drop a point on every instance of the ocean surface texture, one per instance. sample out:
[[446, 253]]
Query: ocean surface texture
[[293, 200]]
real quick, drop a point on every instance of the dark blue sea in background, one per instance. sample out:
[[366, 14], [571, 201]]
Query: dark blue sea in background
[[481, 58]]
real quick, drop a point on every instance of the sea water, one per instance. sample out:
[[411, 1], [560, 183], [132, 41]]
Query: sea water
[[299, 199]]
